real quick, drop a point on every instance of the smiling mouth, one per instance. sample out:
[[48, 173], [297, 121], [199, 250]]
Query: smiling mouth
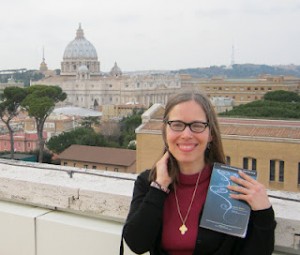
[[186, 147]]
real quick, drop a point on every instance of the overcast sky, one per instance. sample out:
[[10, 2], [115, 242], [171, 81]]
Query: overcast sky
[[152, 34]]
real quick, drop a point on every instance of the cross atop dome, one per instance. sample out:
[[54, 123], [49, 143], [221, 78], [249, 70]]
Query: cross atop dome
[[79, 33]]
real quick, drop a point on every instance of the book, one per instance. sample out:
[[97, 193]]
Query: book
[[221, 212]]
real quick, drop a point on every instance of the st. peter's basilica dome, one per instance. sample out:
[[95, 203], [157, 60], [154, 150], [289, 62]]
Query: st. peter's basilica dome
[[80, 48], [80, 52]]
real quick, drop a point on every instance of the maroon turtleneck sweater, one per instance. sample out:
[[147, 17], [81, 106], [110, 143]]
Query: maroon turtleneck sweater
[[172, 240]]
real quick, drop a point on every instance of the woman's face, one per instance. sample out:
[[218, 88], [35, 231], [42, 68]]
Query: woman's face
[[187, 146]]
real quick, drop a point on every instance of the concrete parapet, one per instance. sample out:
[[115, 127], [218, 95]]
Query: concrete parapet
[[50, 197]]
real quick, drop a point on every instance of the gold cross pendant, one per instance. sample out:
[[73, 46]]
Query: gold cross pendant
[[183, 229]]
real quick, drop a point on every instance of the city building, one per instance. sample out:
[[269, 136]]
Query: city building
[[23, 142], [54, 125], [269, 146], [11, 82], [87, 86], [104, 158], [119, 111]]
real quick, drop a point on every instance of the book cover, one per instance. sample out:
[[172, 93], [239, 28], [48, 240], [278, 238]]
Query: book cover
[[222, 213]]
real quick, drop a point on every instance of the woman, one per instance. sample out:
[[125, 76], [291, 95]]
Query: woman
[[167, 201]]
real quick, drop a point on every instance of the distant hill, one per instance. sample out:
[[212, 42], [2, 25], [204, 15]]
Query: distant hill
[[241, 71], [23, 75], [234, 72]]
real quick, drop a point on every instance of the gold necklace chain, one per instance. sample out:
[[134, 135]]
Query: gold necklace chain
[[183, 228]]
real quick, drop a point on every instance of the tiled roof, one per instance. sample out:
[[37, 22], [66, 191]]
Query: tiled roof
[[258, 131], [260, 128], [100, 155], [246, 127]]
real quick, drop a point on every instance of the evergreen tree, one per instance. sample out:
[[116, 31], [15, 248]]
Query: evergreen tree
[[39, 103]]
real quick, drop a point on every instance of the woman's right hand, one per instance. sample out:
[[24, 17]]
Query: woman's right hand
[[162, 174]]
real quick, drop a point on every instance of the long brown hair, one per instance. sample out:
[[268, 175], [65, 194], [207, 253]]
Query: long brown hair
[[214, 152]]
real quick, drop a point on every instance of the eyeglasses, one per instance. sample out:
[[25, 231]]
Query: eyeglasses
[[195, 126]]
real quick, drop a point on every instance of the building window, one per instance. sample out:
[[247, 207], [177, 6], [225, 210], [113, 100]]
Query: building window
[[281, 171], [116, 169], [65, 163], [94, 167], [74, 164], [228, 160], [299, 173], [272, 170], [245, 163], [85, 166], [249, 163], [254, 164], [277, 170]]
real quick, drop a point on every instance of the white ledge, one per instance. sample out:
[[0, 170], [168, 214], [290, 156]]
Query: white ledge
[[93, 192], [107, 195]]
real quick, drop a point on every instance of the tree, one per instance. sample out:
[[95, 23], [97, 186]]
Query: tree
[[90, 121], [81, 135], [9, 108], [39, 103], [282, 96], [128, 126]]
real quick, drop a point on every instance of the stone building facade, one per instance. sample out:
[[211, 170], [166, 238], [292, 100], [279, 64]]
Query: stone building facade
[[269, 146], [86, 86]]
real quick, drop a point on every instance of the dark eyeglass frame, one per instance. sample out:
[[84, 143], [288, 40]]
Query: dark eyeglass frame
[[205, 124]]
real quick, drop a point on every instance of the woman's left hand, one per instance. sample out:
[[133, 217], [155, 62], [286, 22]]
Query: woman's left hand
[[251, 191]]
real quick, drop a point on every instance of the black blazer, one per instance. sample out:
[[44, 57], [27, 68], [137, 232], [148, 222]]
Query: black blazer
[[142, 229]]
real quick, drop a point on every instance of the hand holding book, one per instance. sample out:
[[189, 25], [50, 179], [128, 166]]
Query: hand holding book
[[250, 191], [232, 194]]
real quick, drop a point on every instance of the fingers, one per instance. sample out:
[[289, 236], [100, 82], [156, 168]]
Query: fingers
[[250, 191], [247, 177], [162, 174], [239, 189], [164, 160], [245, 183]]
